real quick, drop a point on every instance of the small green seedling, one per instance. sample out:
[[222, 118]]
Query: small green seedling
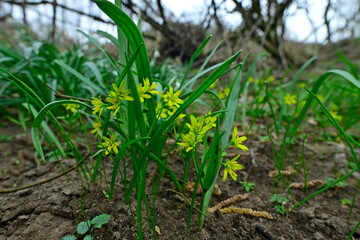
[[86, 226], [105, 194], [280, 203], [345, 201], [248, 186], [330, 180]]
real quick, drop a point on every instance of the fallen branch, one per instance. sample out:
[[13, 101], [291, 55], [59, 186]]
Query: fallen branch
[[9, 190]]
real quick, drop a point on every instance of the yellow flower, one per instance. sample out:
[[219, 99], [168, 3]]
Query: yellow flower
[[259, 81], [71, 107], [210, 121], [271, 79], [110, 144], [224, 93], [160, 111], [99, 105], [145, 89], [171, 98], [289, 99], [214, 84], [251, 79], [336, 115], [196, 125], [230, 167], [237, 141], [302, 85], [172, 111], [97, 126], [116, 97], [190, 141], [320, 97]]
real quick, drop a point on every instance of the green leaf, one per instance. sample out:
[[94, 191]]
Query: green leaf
[[83, 227], [69, 237], [280, 209], [80, 76], [88, 237], [35, 130], [100, 220]]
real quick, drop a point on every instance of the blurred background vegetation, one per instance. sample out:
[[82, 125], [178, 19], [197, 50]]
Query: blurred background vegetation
[[273, 26]]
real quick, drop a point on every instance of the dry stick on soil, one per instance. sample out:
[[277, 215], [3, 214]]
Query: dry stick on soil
[[228, 202], [312, 183], [60, 95], [9, 190], [247, 211], [185, 198]]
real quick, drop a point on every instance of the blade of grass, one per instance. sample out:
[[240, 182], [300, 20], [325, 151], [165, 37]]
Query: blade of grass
[[348, 77]]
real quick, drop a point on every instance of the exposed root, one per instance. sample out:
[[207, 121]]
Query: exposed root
[[228, 202], [247, 211], [290, 171], [312, 183]]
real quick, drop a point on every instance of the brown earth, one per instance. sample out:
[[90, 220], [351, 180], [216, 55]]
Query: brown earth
[[52, 210]]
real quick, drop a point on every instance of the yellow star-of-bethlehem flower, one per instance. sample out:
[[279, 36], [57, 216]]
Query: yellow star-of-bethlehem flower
[[210, 120], [190, 141], [197, 126], [223, 93], [271, 79], [97, 126], [110, 144], [99, 105], [335, 115], [172, 99], [117, 96], [289, 99], [237, 141], [146, 89], [230, 167], [71, 107]]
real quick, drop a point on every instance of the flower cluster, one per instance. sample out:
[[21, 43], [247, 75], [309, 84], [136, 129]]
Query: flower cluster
[[171, 102], [290, 99], [117, 96], [71, 107], [146, 89], [109, 144], [232, 165], [198, 129]]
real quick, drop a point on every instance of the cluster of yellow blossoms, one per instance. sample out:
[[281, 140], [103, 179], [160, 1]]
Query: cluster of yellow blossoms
[[198, 129], [114, 101]]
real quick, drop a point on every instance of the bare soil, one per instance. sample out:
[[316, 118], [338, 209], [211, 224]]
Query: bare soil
[[52, 210]]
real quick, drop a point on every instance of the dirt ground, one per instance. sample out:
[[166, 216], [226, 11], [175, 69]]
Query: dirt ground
[[52, 210]]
